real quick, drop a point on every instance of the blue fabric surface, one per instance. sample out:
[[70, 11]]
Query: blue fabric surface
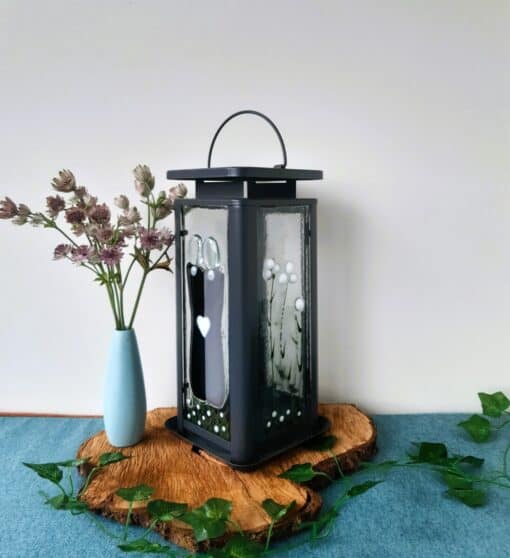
[[406, 516]]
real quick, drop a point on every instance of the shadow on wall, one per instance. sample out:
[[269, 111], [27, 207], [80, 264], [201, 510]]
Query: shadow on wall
[[341, 285]]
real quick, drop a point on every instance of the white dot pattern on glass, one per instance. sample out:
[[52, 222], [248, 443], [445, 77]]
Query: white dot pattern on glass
[[287, 412], [199, 423], [282, 418], [223, 428], [299, 413], [188, 416], [216, 428], [222, 414], [193, 270], [209, 412], [274, 414], [268, 424], [210, 275]]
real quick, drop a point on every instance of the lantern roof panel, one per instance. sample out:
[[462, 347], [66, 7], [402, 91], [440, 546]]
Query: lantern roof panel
[[244, 173]]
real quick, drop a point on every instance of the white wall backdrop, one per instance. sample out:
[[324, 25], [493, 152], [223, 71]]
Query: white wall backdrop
[[406, 107]]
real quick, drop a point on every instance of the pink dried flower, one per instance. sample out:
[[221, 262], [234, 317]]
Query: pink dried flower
[[80, 254], [83, 199], [130, 217], [100, 214], [122, 202], [75, 215], [23, 210], [111, 255], [65, 181], [8, 209], [104, 234], [55, 205], [144, 181], [179, 191], [150, 239], [79, 229], [127, 232], [61, 251], [166, 236]]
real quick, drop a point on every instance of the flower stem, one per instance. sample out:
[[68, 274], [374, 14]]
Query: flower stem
[[137, 301]]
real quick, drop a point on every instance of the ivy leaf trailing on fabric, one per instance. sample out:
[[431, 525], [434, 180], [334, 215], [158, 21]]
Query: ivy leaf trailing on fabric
[[239, 546], [494, 405]]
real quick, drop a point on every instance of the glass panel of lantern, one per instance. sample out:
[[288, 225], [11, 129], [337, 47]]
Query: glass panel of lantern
[[246, 311]]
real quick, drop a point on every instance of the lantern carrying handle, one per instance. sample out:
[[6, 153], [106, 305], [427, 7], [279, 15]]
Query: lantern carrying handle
[[256, 113]]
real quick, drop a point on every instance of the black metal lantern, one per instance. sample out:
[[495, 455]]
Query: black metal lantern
[[246, 310]]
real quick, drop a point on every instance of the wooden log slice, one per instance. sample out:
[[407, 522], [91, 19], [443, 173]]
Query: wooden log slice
[[179, 473]]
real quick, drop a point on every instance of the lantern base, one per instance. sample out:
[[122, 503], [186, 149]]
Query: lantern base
[[321, 426]]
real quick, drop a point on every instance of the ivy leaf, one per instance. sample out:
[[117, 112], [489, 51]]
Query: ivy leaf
[[321, 527], [456, 480], [241, 547], [216, 508], [110, 458], [472, 497], [324, 443], [48, 471], [493, 404], [470, 460], [143, 545], [63, 502], [275, 510], [302, 472], [430, 452], [210, 520], [135, 493], [166, 511], [57, 502], [72, 462], [479, 428], [360, 489], [204, 528]]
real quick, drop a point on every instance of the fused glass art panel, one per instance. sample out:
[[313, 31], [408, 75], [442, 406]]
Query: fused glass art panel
[[283, 319], [206, 302]]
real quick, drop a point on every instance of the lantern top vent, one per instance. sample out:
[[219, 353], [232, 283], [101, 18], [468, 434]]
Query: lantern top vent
[[262, 182]]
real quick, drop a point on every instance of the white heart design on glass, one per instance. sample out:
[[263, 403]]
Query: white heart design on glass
[[204, 325]]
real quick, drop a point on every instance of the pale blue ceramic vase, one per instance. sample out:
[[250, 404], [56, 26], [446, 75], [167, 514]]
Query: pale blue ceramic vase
[[125, 406]]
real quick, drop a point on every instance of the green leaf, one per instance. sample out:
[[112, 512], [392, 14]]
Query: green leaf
[[360, 489], [493, 404], [48, 471], [204, 528], [62, 502], [471, 497], [166, 511], [302, 472], [73, 462], [479, 428], [110, 458], [456, 480], [324, 443], [430, 452], [241, 547], [216, 508], [143, 545], [275, 510], [57, 502], [321, 527], [135, 493], [470, 460], [209, 521]]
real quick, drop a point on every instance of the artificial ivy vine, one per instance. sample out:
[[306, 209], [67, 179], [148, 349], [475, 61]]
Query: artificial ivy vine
[[459, 473]]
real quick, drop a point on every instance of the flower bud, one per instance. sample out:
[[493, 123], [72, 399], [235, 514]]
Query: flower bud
[[122, 202]]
